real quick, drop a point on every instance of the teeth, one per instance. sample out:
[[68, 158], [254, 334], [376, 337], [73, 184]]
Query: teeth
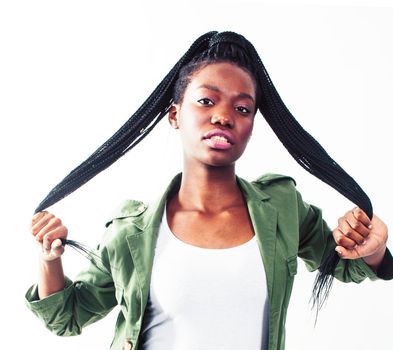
[[219, 138]]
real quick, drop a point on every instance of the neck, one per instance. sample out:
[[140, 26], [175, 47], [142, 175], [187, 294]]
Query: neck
[[209, 189]]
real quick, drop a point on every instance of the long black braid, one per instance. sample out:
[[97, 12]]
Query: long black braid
[[218, 47]]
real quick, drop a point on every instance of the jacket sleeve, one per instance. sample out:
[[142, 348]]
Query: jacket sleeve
[[89, 298], [385, 270], [316, 242]]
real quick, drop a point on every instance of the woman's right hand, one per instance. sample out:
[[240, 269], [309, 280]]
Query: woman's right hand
[[48, 230]]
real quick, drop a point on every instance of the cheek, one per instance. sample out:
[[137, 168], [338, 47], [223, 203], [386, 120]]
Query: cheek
[[191, 121], [247, 129], [189, 131]]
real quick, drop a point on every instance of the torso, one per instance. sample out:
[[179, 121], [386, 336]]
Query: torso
[[196, 291]]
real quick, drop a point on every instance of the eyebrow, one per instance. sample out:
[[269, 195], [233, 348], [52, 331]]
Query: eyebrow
[[215, 88]]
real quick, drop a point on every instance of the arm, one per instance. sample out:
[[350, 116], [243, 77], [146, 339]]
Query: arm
[[64, 306], [315, 239], [48, 232], [316, 242]]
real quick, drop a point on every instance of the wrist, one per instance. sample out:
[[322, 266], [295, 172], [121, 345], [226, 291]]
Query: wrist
[[51, 277], [374, 260], [49, 262]]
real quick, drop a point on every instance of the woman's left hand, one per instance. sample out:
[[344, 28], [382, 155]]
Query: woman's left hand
[[359, 237]]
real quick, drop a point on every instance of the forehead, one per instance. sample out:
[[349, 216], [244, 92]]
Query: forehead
[[225, 76]]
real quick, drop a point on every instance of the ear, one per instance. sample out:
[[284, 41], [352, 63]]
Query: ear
[[173, 116]]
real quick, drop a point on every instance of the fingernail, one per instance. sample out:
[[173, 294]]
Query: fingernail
[[338, 251], [370, 226]]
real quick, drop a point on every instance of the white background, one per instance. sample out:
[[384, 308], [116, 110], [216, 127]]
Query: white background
[[72, 72]]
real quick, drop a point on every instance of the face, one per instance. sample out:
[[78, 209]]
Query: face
[[216, 115]]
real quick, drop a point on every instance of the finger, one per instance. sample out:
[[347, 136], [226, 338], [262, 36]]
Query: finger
[[361, 216], [52, 224], [37, 217], [342, 240], [56, 234], [41, 222], [349, 232], [357, 225], [347, 253]]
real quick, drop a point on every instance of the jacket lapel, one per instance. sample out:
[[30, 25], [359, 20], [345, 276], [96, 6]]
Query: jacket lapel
[[142, 241], [264, 219]]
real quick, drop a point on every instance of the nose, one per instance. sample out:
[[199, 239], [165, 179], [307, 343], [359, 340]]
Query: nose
[[220, 118]]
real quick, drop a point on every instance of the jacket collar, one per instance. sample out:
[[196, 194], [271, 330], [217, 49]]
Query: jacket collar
[[151, 218], [152, 214]]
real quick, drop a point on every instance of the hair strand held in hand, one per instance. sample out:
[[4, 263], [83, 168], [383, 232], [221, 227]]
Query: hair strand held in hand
[[210, 48]]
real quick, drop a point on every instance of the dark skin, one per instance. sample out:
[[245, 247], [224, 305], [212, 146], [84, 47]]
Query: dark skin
[[189, 223], [209, 203], [209, 207]]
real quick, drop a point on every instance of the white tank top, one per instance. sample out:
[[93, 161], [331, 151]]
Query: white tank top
[[209, 299]]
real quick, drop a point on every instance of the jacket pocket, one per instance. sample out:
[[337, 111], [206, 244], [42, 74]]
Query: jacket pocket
[[292, 265], [292, 271], [121, 301]]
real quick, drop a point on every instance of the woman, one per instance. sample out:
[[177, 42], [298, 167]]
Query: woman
[[210, 264]]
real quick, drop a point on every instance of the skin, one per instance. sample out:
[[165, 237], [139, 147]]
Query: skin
[[47, 230], [219, 96], [359, 237]]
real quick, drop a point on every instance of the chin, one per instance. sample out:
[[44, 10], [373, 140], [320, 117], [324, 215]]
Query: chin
[[215, 158], [221, 162]]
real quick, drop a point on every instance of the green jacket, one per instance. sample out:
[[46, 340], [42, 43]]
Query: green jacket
[[285, 227]]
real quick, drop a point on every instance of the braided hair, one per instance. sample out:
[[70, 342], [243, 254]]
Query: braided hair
[[209, 48]]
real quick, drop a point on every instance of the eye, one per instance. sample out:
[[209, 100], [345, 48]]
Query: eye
[[243, 110], [206, 101]]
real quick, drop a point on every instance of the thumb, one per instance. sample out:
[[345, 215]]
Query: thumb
[[57, 243], [57, 248], [347, 253]]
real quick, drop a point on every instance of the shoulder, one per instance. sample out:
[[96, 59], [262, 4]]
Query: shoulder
[[129, 208], [123, 221], [272, 183], [272, 178]]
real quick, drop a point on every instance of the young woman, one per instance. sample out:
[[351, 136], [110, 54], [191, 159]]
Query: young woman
[[210, 264]]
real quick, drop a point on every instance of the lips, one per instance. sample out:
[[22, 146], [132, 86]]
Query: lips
[[220, 133]]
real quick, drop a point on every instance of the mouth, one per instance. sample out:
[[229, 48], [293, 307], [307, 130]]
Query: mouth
[[219, 136], [219, 139]]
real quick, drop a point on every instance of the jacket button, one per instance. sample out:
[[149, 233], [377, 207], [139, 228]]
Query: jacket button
[[141, 208], [127, 345]]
